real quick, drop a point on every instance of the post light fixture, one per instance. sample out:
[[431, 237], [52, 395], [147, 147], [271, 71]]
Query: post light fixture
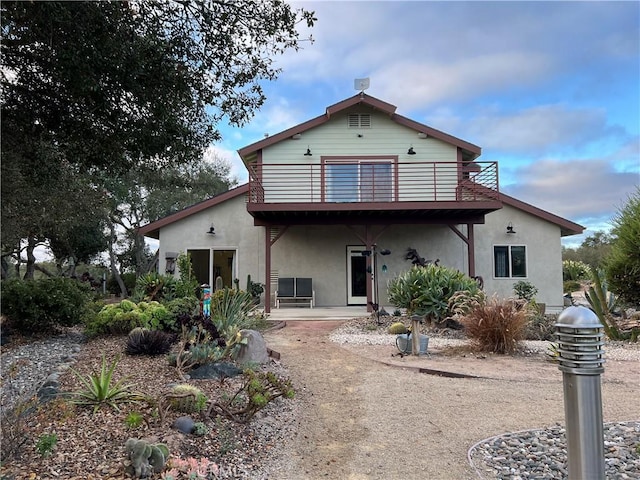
[[308, 152], [411, 151], [510, 230]]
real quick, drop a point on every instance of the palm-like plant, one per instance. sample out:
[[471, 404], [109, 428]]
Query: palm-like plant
[[603, 304], [99, 390]]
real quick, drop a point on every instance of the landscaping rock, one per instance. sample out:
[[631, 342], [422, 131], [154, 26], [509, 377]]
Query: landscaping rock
[[215, 371], [184, 424], [255, 351]]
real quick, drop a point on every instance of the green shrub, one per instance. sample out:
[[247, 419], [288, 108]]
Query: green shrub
[[125, 316], [622, 265], [153, 286], [525, 290], [426, 290], [183, 306], [570, 286], [129, 280], [496, 325], [45, 304], [575, 270]]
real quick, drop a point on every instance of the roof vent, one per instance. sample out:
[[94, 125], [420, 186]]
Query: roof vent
[[359, 120]]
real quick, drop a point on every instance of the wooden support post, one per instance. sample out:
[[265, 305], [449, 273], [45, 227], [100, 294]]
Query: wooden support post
[[415, 334]]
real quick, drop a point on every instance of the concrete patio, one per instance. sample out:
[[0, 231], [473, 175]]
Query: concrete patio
[[317, 313]]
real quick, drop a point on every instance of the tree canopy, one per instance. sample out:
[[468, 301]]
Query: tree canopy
[[623, 263], [92, 91]]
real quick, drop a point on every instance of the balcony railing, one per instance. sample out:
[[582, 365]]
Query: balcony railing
[[373, 181]]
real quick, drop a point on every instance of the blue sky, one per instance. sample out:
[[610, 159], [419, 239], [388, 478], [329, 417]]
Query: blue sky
[[549, 90]]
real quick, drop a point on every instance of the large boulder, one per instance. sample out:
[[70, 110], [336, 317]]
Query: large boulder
[[254, 350]]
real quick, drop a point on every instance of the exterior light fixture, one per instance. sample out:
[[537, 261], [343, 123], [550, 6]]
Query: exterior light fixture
[[211, 231], [308, 152], [297, 136], [422, 135], [411, 151], [510, 229], [385, 251]]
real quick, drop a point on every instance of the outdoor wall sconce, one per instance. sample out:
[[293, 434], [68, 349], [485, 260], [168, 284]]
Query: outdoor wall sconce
[[297, 136], [411, 151], [211, 231], [510, 229], [308, 152], [170, 258], [422, 135]]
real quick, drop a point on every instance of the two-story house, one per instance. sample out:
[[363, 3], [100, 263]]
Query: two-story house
[[326, 197]]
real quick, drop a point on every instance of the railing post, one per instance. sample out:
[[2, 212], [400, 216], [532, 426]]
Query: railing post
[[580, 339]]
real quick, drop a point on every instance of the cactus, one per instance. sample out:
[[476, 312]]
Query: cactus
[[192, 403], [146, 458], [249, 282], [397, 328]]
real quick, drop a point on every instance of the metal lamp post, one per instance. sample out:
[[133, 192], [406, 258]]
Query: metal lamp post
[[580, 340]]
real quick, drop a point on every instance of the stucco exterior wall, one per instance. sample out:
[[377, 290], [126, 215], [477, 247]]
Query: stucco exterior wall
[[234, 230], [320, 252], [543, 253]]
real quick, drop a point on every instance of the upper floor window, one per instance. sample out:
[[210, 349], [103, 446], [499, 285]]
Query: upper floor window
[[359, 181], [510, 261]]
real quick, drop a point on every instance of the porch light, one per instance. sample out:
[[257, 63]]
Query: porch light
[[385, 251], [510, 229], [211, 231], [308, 153], [422, 135], [411, 151]]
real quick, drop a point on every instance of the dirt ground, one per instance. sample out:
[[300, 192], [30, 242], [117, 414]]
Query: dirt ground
[[368, 415]]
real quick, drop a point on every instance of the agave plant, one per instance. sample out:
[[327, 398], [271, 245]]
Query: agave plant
[[99, 391], [603, 304]]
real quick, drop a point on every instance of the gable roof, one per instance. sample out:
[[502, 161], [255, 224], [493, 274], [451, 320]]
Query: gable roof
[[567, 227], [153, 229], [469, 150]]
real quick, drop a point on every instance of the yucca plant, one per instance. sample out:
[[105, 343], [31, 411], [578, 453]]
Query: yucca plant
[[99, 391]]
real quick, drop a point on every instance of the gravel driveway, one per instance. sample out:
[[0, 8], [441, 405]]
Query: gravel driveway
[[362, 418]]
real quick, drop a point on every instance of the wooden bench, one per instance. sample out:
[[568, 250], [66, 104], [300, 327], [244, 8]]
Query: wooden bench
[[295, 290]]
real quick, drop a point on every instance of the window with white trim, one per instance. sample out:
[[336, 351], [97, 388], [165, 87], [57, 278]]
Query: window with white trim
[[510, 261]]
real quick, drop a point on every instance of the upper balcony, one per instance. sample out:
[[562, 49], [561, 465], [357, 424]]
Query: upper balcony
[[373, 191]]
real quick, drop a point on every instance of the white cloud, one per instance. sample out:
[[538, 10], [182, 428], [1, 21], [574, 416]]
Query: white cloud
[[540, 129], [410, 84], [584, 191], [237, 169]]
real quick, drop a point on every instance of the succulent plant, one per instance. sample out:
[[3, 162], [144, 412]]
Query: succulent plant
[[191, 403], [397, 328], [146, 458], [142, 341]]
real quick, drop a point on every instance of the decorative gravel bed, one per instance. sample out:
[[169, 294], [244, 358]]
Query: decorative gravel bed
[[91, 446]]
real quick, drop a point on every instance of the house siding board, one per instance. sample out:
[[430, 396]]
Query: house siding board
[[288, 178]]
